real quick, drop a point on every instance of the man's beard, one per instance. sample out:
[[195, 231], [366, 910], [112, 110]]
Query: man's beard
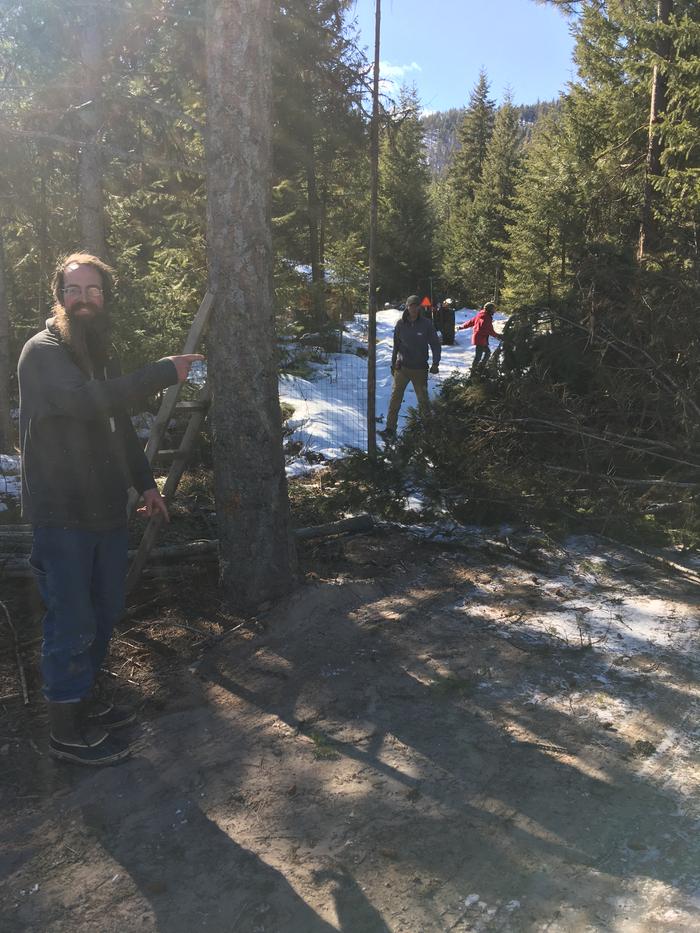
[[87, 337]]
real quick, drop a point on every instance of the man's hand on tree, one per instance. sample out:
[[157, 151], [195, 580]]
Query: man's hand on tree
[[182, 364], [435, 368], [154, 504]]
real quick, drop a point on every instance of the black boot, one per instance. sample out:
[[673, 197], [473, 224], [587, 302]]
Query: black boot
[[99, 711], [72, 738]]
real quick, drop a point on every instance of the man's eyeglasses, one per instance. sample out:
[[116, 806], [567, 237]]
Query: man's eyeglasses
[[92, 292]]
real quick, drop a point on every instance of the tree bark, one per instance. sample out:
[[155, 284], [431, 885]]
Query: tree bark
[[648, 233], [5, 422], [257, 557], [90, 163]]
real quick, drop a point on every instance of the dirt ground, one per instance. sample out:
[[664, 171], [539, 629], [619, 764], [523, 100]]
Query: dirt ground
[[408, 743]]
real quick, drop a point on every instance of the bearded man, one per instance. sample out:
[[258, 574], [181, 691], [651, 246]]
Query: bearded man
[[80, 455]]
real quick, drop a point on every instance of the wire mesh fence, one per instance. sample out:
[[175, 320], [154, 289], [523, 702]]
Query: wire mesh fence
[[347, 395], [330, 412]]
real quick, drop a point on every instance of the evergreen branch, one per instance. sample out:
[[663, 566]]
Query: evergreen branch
[[621, 144], [195, 168], [158, 13], [659, 375], [576, 429], [166, 111]]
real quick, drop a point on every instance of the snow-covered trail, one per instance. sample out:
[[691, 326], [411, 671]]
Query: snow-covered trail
[[329, 411], [326, 421]]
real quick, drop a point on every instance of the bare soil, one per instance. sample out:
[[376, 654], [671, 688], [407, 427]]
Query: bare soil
[[401, 745]]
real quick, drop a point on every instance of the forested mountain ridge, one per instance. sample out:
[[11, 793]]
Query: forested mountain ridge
[[441, 130]]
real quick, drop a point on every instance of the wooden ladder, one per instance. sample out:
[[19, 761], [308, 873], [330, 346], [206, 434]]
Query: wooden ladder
[[197, 410]]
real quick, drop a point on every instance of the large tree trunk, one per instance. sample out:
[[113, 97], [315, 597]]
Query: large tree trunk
[[90, 167], [257, 560], [648, 233], [5, 424]]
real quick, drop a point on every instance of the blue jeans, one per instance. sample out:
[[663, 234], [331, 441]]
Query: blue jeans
[[81, 576], [481, 357]]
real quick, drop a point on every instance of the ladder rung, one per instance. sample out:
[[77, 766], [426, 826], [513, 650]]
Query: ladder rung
[[194, 405], [175, 454]]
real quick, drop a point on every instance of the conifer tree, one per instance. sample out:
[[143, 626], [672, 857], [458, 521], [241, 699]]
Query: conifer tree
[[486, 246], [547, 228], [317, 85], [406, 223], [678, 207], [473, 137], [634, 111]]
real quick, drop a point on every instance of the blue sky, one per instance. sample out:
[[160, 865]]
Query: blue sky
[[440, 45]]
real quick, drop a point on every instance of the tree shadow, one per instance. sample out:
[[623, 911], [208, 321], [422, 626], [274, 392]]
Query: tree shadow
[[192, 873], [546, 802]]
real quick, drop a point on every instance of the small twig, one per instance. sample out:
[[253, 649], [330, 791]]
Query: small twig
[[22, 678], [232, 630], [132, 660], [118, 677], [134, 610], [130, 644]]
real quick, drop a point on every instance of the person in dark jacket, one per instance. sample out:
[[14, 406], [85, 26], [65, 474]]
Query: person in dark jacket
[[80, 455], [413, 335], [447, 322], [482, 322]]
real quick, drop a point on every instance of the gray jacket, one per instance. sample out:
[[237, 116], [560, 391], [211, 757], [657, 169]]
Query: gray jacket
[[80, 452], [411, 342]]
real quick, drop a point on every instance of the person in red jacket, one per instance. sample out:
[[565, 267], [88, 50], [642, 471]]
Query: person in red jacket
[[482, 322]]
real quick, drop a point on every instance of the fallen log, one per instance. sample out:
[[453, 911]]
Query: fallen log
[[362, 522], [15, 566], [199, 548]]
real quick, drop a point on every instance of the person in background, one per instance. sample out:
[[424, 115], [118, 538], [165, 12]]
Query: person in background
[[482, 322], [80, 455], [413, 335], [447, 322], [437, 317]]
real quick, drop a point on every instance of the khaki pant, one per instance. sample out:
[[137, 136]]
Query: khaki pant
[[419, 380]]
